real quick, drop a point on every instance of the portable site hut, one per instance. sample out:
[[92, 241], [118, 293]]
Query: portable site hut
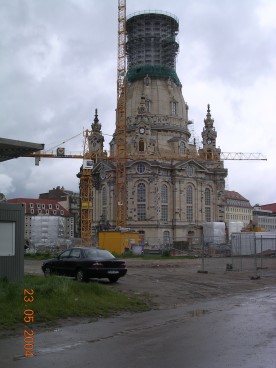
[[118, 241], [12, 219]]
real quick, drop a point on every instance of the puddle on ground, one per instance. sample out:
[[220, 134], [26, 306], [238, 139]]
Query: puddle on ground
[[198, 312]]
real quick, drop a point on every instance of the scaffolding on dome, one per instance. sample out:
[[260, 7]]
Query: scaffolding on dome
[[152, 46], [152, 71]]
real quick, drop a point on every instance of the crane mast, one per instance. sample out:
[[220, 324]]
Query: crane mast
[[86, 209], [120, 134]]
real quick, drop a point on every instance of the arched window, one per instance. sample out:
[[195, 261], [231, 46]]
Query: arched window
[[104, 203], [104, 196], [141, 146], [164, 193], [147, 105], [164, 203], [208, 205], [189, 202], [207, 197], [189, 195], [141, 202], [173, 107], [182, 148]]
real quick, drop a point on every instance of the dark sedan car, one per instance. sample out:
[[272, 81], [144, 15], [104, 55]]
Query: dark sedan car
[[86, 263]]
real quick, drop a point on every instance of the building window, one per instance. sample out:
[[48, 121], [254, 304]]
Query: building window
[[38, 205], [164, 194], [141, 212], [104, 196], [173, 108], [57, 206], [147, 105], [54, 212], [50, 206], [166, 238], [141, 168], [104, 203], [164, 201], [190, 170], [141, 146], [189, 195], [182, 148], [207, 197], [31, 205], [190, 213], [164, 212], [32, 211], [208, 214], [141, 193], [189, 202], [141, 202], [43, 205], [62, 212]]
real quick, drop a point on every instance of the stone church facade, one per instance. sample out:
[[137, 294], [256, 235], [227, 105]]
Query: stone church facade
[[172, 187]]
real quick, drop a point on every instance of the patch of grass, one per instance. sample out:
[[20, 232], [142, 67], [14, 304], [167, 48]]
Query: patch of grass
[[40, 255], [57, 297]]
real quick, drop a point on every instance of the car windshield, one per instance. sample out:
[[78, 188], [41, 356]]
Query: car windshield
[[98, 254]]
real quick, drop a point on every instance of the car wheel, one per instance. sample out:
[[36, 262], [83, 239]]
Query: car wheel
[[80, 276], [47, 272], [113, 279]]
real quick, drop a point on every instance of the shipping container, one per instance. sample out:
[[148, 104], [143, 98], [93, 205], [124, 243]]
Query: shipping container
[[117, 241]]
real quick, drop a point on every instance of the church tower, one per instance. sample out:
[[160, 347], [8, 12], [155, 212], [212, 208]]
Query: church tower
[[171, 189], [96, 139]]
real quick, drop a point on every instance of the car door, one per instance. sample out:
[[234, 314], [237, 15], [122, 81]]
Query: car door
[[61, 264], [73, 262]]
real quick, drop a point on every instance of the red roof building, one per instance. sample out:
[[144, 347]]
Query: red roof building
[[47, 222], [35, 207], [269, 207]]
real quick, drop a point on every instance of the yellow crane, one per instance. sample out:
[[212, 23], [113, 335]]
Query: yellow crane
[[86, 184]]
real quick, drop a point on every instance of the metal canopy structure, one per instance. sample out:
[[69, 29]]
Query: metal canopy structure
[[10, 148]]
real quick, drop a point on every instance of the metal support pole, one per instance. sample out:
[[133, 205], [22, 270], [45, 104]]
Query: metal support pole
[[256, 276], [261, 251], [255, 255], [202, 259]]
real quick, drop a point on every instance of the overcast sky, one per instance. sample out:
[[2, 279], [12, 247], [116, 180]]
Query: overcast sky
[[58, 62]]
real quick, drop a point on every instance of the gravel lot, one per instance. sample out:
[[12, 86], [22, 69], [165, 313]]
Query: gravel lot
[[174, 282]]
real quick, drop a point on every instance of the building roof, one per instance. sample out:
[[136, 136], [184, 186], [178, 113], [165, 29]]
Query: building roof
[[234, 195], [10, 148], [269, 207], [33, 207], [236, 199]]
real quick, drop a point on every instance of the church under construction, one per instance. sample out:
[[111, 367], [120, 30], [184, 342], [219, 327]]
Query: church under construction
[[167, 199]]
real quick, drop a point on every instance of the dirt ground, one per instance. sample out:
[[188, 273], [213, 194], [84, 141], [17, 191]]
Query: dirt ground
[[173, 282], [170, 283]]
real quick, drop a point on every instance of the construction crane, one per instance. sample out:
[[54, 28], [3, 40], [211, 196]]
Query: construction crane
[[86, 209], [120, 133], [86, 183]]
